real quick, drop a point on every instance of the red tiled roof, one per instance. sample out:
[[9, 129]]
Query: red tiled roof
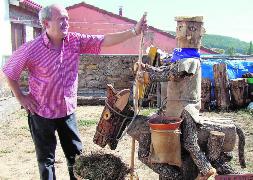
[[31, 4], [130, 21], [117, 16]]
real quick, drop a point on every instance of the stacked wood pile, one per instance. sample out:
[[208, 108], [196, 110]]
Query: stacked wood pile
[[228, 93]]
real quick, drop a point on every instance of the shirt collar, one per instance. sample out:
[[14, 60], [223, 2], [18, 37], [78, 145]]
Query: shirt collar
[[47, 42]]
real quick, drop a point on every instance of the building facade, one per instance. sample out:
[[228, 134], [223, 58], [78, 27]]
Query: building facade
[[88, 19], [20, 23]]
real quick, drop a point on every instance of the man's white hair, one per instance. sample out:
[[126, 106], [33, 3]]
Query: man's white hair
[[45, 14]]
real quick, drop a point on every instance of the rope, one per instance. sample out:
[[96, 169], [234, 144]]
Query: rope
[[106, 102], [125, 118]]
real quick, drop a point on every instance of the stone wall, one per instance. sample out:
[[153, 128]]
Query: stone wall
[[95, 71]]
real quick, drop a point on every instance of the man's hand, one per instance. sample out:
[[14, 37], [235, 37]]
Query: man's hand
[[119, 37], [141, 75], [141, 25], [138, 65], [28, 102]]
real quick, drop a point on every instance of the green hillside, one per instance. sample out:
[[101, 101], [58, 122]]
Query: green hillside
[[225, 44]]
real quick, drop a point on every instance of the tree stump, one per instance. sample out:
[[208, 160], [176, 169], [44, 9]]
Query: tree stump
[[221, 84], [239, 92], [215, 145], [222, 125], [205, 94]]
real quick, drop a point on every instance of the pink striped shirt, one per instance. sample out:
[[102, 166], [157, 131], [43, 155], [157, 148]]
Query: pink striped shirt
[[52, 74]]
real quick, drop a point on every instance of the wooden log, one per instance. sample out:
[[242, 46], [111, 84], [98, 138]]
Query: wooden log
[[140, 130], [158, 92], [222, 120], [221, 84], [140, 127], [239, 92], [164, 86], [215, 144], [227, 127], [205, 94]]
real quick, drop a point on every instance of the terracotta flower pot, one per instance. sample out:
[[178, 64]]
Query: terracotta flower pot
[[165, 123]]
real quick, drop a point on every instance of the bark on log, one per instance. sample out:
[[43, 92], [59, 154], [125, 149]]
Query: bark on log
[[205, 94], [215, 144], [164, 86], [223, 125], [239, 92], [221, 86], [140, 130], [158, 92]]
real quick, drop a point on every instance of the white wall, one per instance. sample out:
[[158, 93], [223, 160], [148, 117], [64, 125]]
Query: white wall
[[5, 31], [28, 33]]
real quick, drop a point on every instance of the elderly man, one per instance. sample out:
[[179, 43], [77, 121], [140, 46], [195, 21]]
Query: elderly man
[[52, 63]]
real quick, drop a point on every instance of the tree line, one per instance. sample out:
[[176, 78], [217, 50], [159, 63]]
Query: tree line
[[226, 45]]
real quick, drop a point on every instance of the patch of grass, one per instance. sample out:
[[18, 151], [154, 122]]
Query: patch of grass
[[87, 122], [246, 112], [147, 111], [5, 151], [25, 128], [249, 165]]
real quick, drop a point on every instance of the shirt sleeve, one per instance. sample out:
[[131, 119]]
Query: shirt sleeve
[[90, 44], [16, 63]]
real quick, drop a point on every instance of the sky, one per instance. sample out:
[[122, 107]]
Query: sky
[[232, 18]]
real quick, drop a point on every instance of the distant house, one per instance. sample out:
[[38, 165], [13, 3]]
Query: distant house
[[24, 20], [19, 22], [85, 18]]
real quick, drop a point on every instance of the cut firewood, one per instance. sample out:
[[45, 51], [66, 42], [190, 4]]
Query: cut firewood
[[215, 144]]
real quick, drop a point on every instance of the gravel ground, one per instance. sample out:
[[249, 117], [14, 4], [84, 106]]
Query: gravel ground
[[18, 159]]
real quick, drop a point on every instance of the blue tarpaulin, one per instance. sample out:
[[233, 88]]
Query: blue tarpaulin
[[235, 68]]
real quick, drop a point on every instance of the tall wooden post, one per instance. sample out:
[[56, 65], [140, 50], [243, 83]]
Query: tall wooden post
[[239, 92], [221, 84], [205, 94]]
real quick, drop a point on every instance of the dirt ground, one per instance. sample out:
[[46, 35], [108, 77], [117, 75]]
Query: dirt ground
[[18, 159]]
